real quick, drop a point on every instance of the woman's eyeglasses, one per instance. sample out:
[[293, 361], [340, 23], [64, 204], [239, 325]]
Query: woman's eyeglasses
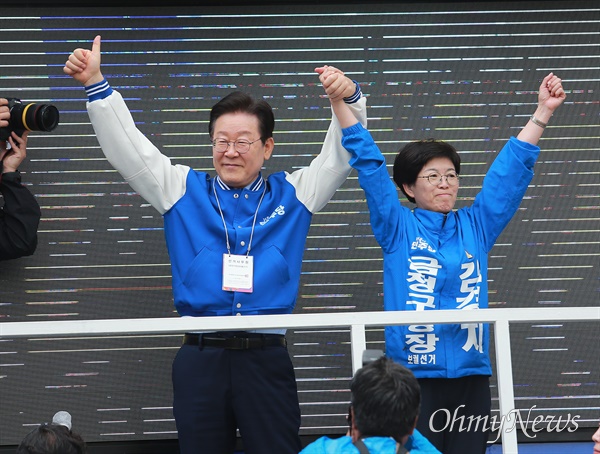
[[436, 178]]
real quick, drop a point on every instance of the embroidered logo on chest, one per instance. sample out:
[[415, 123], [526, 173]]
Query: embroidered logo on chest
[[421, 244], [279, 211]]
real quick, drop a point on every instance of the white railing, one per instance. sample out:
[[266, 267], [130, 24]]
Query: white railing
[[357, 321]]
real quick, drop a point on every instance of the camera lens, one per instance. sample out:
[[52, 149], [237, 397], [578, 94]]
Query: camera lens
[[29, 117], [39, 117]]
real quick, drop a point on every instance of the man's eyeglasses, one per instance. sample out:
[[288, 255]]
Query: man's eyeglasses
[[435, 178], [241, 146]]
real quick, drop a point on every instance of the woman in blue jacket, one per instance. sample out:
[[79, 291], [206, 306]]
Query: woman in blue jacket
[[436, 257]]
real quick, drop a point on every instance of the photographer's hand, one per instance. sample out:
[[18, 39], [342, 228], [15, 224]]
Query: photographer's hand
[[4, 113], [13, 157], [84, 65]]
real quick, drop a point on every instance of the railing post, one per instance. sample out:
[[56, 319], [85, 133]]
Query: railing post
[[358, 344], [506, 396]]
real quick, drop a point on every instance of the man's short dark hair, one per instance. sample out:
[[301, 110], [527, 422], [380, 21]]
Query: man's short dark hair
[[386, 398], [240, 102], [414, 155], [52, 439]]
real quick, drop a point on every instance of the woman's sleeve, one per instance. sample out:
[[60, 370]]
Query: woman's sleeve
[[373, 176]]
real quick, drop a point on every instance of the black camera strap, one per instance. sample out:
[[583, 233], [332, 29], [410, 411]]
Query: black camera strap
[[362, 448]]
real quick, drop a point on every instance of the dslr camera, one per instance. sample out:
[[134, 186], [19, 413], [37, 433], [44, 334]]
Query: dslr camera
[[29, 117]]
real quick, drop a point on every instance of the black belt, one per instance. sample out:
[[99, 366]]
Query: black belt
[[235, 341]]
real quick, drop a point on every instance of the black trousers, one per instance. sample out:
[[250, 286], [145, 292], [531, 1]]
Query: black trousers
[[217, 391], [455, 413]]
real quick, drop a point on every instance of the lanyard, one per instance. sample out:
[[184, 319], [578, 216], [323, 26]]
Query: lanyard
[[253, 221]]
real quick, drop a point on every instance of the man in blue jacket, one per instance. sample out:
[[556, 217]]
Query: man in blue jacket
[[384, 408], [435, 257], [235, 242]]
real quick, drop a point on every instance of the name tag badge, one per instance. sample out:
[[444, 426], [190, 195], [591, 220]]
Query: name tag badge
[[238, 273]]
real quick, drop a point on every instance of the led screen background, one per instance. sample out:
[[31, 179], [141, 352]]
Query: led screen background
[[467, 73]]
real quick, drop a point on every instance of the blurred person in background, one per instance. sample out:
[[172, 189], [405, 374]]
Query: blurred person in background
[[384, 409], [53, 438]]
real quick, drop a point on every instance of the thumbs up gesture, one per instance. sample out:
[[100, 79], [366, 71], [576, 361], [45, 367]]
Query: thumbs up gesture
[[83, 65]]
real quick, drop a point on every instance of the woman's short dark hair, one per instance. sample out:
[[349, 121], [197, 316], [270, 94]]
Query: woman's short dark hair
[[52, 439], [244, 103], [411, 159], [385, 398]]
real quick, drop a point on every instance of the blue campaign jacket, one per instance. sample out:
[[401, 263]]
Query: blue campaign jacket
[[197, 242], [416, 444], [194, 229], [436, 261]]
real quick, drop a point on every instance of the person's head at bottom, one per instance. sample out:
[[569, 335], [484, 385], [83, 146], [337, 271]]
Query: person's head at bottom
[[52, 439], [596, 440], [385, 401]]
